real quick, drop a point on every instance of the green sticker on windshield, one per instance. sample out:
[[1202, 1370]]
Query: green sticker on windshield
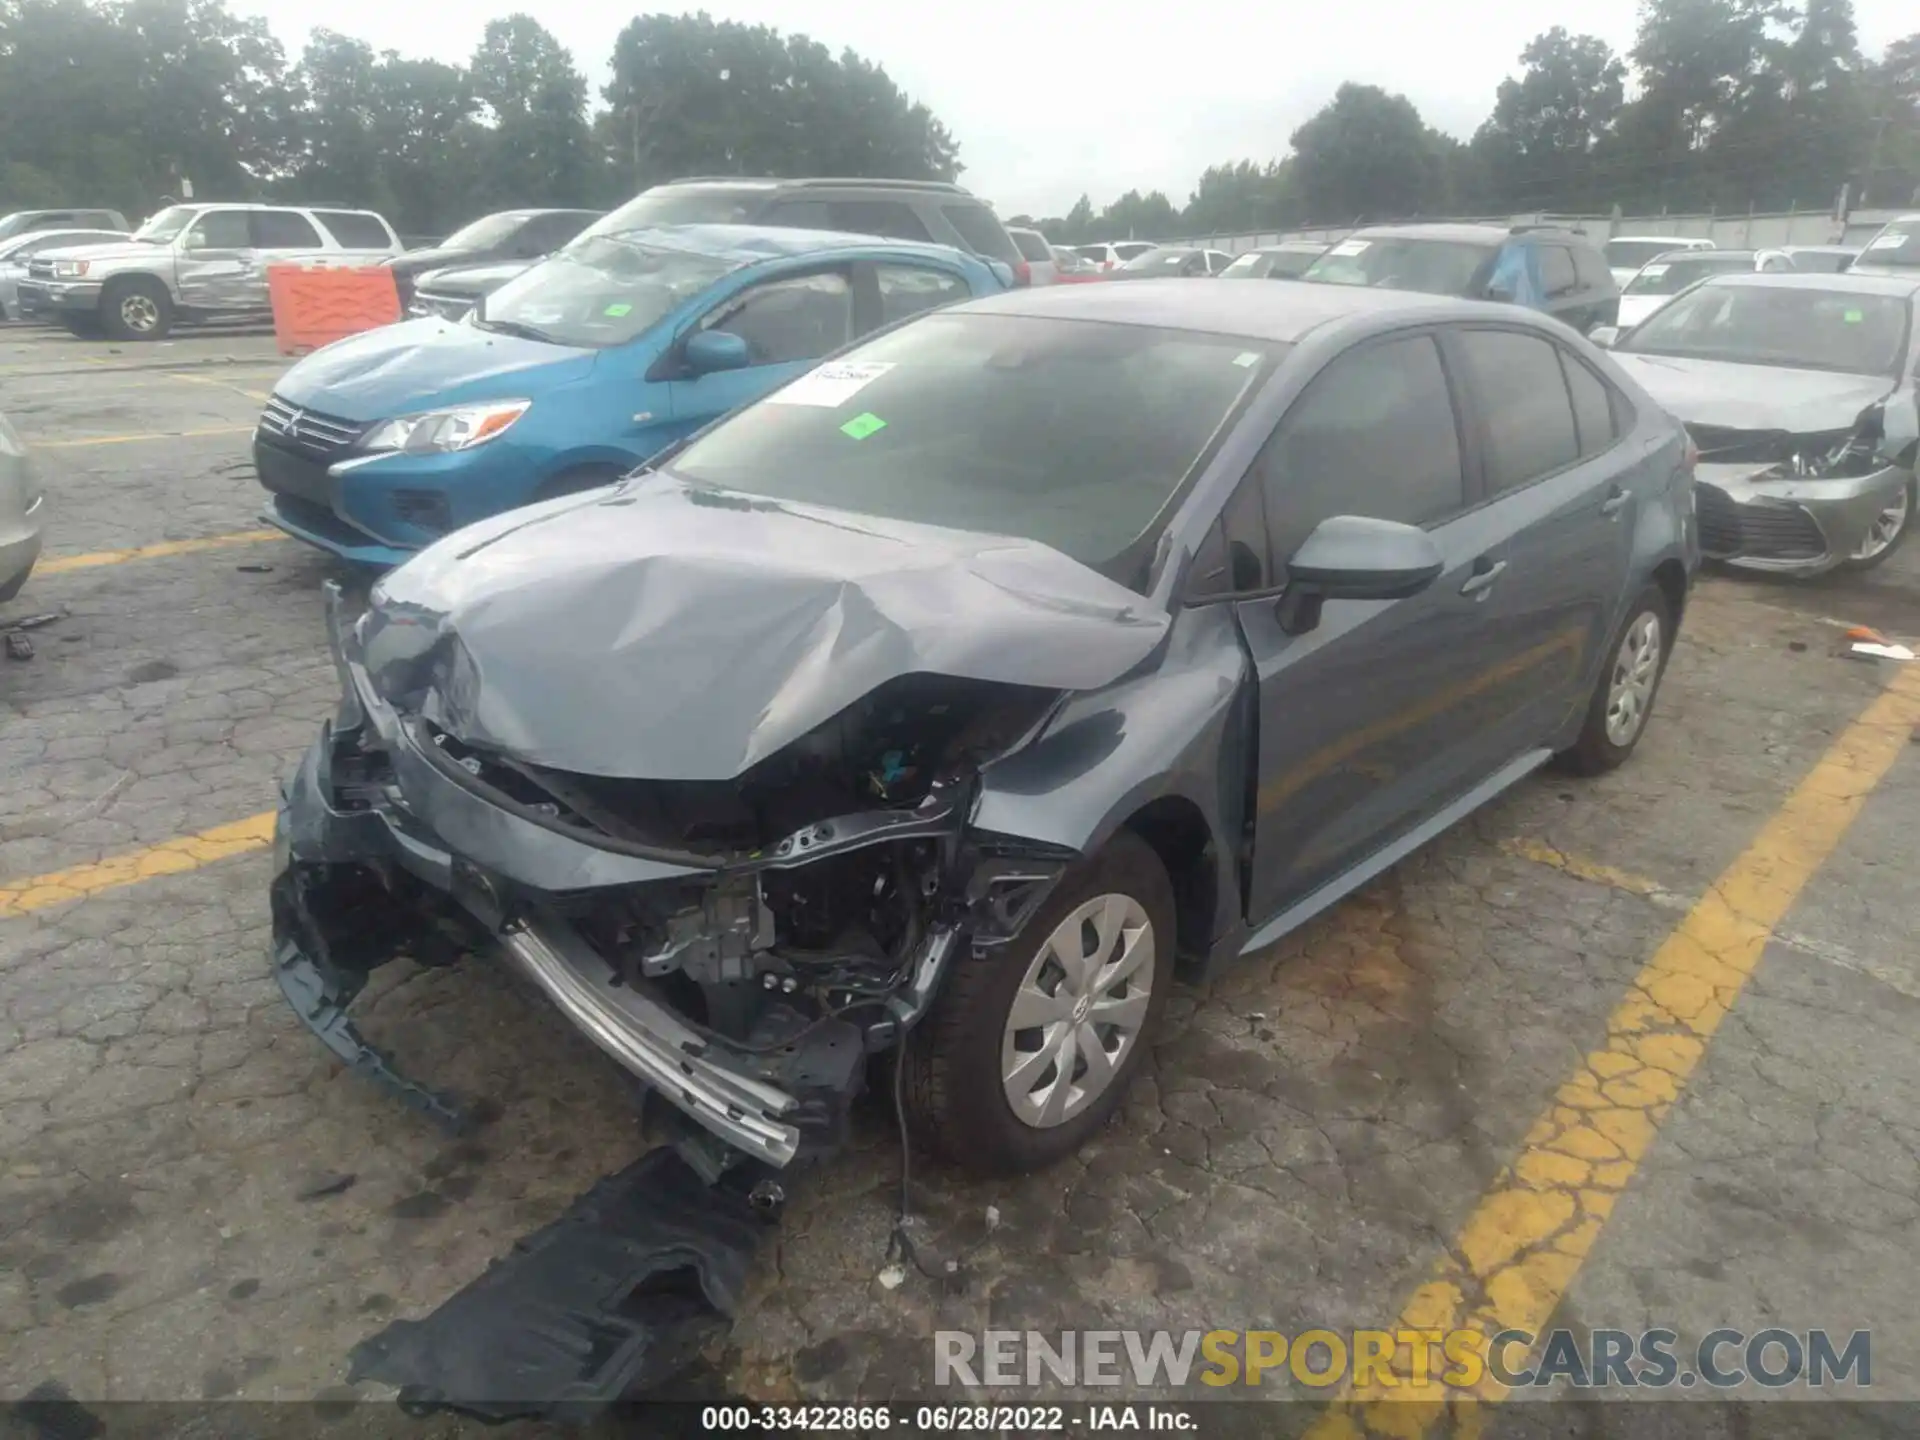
[[619, 309], [1854, 317], [862, 425]]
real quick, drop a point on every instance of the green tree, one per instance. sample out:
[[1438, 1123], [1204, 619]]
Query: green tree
[[1236, 197], [1537, 148], [540, 149], [1365, 155]]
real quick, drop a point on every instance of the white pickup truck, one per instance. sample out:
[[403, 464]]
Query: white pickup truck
[[193, 262]]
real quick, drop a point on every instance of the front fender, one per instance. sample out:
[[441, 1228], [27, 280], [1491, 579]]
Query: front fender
[[1178, 729]]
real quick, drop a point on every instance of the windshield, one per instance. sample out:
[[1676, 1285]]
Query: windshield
[[684, 205], [1821, 262], [1763, 325], [1670, 277], [1073, 433], [599, 292], [1898, 244], [1033, 245], [1163, 262], [167, 224], [1632, 254], [1252, 266], [484, 233], [1432, 267]]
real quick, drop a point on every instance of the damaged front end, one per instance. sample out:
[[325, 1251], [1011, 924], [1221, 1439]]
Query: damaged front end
[[741, 946], [1800, 503]]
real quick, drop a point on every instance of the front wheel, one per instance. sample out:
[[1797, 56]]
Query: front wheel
[[1888, 529], [136, 309], [1029, 1050], [1623, 697]]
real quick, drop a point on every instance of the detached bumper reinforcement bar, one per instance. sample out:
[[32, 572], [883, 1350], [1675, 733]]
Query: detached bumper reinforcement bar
[[647, 1038]]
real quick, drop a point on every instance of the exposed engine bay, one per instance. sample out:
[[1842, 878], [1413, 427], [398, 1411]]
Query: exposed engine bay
[[741, 946]]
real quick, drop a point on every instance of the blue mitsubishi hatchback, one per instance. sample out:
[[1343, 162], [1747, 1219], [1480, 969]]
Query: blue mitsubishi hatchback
[[571, 374]]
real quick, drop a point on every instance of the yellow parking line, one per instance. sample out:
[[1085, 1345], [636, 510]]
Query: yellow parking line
[[1581, 868], [169, 857], [58, 563], [1520, 1250], [143, 435]]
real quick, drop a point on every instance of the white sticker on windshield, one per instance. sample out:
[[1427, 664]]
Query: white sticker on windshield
[[1887, 242], [1351, 247], [1654, 272], [1246, 358], [830, 385]]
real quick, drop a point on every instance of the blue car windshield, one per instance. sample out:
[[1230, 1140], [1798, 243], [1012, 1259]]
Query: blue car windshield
[[1074, 433], [599, 292]]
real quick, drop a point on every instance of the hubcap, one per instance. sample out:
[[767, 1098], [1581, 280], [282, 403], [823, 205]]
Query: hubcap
[[1079, 1011], [138, 312], [1635, 670], [1885, 529]]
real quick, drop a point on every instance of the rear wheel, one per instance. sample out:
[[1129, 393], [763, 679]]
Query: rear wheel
[[1623, 697], [1889, 528], [136, 308], [1029, 1051]]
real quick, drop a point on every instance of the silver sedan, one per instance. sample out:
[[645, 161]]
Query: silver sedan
[[16, 249], [22, 509], [1799, 393]]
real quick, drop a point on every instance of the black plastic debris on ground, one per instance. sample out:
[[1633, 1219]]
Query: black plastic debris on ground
[[608, 1302]]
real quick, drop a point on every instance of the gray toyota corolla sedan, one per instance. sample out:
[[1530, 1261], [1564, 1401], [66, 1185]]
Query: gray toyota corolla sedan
[[957, 696], [1800, 392]]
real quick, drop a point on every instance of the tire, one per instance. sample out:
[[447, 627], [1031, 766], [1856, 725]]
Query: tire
[[83, 327], [957, 1091], [1605, 740], [572, 482], [1858, 562], [136, 308]]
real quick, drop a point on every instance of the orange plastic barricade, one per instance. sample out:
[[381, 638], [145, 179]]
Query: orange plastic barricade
[[314, 305]]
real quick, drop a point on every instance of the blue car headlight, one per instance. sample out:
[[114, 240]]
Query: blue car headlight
[[459, 428]]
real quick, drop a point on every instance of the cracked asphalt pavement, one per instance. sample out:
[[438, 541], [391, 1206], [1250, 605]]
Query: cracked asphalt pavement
[[1406, 1104]]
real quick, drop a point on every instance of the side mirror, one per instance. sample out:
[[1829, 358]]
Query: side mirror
[[1350, 557], [709, 351], [1503, 294], [1605, 336]]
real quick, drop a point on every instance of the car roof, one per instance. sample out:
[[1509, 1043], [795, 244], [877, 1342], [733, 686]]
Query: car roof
[[1472, 234], [1679, 242], [749, 244], [1282, 313], [1846, 282], [800, 182]]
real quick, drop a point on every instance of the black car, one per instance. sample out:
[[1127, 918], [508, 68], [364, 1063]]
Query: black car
[[523, 235], [452, 292], [1556, 271]]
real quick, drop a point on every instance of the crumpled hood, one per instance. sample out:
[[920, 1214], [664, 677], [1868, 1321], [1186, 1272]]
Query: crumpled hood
[[659, 631], [418, 364], [1754, 397]]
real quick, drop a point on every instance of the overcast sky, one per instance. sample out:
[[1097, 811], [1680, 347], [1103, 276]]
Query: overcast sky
[[1049, 100]]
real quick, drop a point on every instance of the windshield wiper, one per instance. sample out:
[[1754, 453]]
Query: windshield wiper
[[514, 327]]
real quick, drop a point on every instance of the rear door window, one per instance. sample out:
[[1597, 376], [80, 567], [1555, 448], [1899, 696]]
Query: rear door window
[[908, 289], [1374, 434], [1592, 406], [801, 215], [355, 232], [1557, 275], [1524, 406], [1591, 268], [890, 218], [982, 232], [284, 230]]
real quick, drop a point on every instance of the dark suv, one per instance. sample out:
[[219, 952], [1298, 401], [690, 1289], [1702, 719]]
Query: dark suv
[[507, 235], [1558, 271], [926, 210]]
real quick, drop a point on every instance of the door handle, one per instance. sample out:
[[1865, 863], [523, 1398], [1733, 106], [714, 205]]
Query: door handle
[[1483, 577], [1615, 502]]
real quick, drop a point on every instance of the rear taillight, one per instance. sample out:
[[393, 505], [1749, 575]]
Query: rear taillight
[[1022, 273]]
